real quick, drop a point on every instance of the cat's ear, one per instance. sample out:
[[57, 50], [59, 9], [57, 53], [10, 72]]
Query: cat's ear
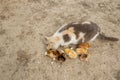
[[47, 38]]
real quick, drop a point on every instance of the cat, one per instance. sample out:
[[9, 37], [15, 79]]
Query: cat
[[76, 33]]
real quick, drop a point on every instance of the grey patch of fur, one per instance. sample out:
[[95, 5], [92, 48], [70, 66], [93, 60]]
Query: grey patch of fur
[[66, 38], [102, 36]]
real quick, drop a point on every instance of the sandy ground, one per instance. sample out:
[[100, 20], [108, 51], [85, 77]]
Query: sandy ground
[[24, 23]]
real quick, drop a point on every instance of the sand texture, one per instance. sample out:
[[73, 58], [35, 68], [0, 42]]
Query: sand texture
[[25, 23]]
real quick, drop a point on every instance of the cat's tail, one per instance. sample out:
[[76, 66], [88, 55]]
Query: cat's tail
[[104, 37]]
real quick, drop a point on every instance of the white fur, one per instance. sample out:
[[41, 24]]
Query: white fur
[[73, 39], [82, 36], [94, 37]]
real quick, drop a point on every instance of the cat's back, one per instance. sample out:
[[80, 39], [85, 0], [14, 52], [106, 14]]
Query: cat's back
[[84, 27]]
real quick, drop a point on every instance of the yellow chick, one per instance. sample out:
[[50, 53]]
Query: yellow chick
[[85, 45], [71, 53], [81, 50]]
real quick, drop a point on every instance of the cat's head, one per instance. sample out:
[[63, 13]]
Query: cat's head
[[52, 42]]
